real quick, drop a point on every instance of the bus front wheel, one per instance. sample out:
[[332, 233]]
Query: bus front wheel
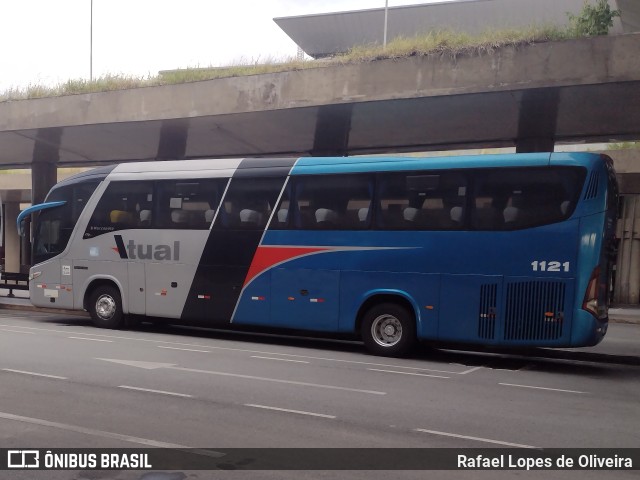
[[388, 329], [105, 307]]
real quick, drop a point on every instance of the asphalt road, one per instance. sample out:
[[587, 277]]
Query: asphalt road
[[66, 384]]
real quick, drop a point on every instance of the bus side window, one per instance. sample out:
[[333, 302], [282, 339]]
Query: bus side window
[[283, 216], [119, 207], [418, 201], [526, 197], [121, 217], [488, 213], [209, 215], [188, 204], [330, 202], [249, 203], [145, 218]]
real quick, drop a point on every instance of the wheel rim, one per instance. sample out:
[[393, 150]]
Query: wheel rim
[[106, 307], [386, 330]]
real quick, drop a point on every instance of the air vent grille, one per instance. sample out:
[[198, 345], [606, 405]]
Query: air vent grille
[[592, 187], [534, 310], [487, 314]]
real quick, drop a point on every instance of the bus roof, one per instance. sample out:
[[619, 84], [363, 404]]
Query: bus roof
[[328, 165]]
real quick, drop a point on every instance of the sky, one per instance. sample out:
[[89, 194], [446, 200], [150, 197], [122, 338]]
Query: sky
[[47, 42]]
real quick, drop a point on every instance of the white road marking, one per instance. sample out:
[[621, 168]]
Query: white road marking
[[155, 391], [540, 388], [275, 380], [34, 374], [477, 439], [406, 373], [260, 352], [15, 331], [184, 349], [300, 412], [91, 339], [470, 370], [279, 359], [154, 365], [89, 431], [139, 364]]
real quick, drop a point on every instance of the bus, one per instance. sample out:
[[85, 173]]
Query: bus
[[510, 250]]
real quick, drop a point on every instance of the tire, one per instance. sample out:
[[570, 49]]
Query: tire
[[105, 307], [389, 330]]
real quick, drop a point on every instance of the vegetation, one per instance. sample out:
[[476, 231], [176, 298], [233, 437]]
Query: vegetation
[[623, 146], [593, 20], [453, 44]]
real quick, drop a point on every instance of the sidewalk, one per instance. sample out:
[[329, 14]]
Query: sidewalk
[[20, 301], [625, 314]]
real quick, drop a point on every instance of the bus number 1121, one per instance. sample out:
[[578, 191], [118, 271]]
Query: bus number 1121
[[544, 266]]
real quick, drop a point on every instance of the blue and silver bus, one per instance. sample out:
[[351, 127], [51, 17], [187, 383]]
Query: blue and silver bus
[[497, 250]]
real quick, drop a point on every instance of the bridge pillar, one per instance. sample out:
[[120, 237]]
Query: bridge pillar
[[11, 238], [44, 175], [537, 120], [333, 125], [530, 145], [172, 144]]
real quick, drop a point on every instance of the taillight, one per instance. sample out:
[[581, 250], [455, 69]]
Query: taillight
[[590, 303]]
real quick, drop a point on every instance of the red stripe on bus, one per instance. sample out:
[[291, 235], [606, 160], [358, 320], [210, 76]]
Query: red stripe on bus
[[267, 257]]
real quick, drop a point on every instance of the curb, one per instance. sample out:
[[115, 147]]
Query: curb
[[32, 308]]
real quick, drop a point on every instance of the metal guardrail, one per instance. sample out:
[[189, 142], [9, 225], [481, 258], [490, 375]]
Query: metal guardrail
[[14, 281]]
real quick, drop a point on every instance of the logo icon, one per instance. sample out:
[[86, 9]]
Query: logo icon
[[23, 459]]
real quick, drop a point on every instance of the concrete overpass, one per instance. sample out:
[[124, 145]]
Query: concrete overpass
[[530, 96]]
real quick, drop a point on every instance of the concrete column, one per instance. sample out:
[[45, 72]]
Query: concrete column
[[172, 144], [44, 175], [333, 126], [537, 120], [530, 145], [44, 163], [11, 238]]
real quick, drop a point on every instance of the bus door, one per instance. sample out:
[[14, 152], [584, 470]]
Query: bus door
[[307, 299], [469, 308]]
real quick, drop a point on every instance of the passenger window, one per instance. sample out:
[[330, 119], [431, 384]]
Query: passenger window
[[249, 202], [187, 204], [283, 215], [121, 207], [415, 201], [331, 202], [510, 199]]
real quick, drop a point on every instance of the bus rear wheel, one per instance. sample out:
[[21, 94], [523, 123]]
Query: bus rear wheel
[[105, 307], [389, 330]]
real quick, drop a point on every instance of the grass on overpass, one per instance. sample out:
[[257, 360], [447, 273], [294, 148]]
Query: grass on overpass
[[441, 43]]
